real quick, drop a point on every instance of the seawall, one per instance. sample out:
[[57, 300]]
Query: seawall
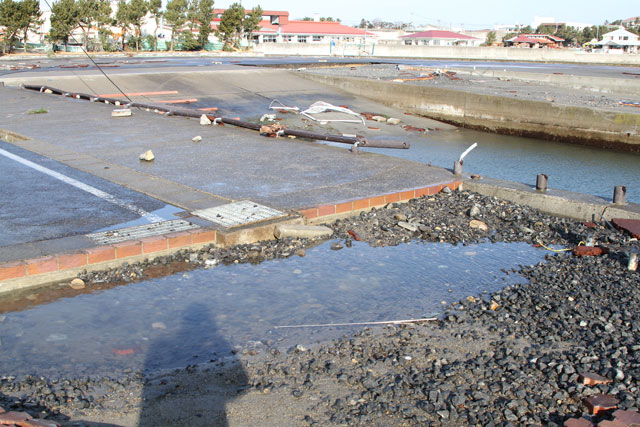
[[395, 50], [546, 120]]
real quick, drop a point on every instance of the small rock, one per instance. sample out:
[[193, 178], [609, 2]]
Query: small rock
[[401, 217], [336, 246], [123, 112], [393, 121], [147, 156], [298, 231], [379, 118], [268, 118], [301, 252], [77, 284], [196, 138], [408, 226], [211, 262], [474, 211], [204, 120], [494, 306], [478, 225], [446, 190]]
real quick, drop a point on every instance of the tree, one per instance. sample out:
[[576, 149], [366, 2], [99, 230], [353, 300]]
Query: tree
[[491, 38], [251, 22], [176, 16], [10, 19], [29, 17], [65, 16], [132, 14], [18, 17], [156, 13], [200, 13], [230, 28], [92, 13]]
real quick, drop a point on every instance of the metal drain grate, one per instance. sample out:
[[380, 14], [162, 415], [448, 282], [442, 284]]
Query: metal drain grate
[[238, 213], [141, 231]]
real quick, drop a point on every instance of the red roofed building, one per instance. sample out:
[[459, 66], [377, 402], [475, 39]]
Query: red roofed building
[[440, 38], [534, 41], [277, 28]]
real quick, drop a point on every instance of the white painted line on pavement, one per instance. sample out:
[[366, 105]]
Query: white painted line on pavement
[[85, 187]]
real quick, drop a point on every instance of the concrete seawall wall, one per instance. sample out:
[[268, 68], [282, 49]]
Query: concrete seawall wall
[[447, 52], [498, 114], [622, 87]]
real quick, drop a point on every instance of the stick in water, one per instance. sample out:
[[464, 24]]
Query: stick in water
[[386, 322]]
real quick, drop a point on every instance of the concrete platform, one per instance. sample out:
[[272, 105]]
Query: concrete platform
[[303, 178]]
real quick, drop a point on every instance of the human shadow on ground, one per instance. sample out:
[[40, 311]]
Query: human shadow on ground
[[196, 395]]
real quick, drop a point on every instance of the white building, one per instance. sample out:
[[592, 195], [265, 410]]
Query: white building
[[440, 38], [619, 41]]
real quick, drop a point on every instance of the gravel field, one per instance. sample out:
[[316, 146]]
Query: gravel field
[[521, 356], [512, 88]]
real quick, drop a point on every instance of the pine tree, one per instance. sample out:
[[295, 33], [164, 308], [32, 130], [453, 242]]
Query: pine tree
[[230, 28], [252, 21], [176, 16], [65, 16]]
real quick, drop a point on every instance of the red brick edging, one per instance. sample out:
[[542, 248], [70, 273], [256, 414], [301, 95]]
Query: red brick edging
[[99, 254], [370, 202], [155, 244]]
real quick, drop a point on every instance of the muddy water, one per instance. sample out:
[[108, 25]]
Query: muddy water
[[200, 315]]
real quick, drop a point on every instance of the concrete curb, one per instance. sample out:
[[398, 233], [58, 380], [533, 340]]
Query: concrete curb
[[42, 271], [555, 202]]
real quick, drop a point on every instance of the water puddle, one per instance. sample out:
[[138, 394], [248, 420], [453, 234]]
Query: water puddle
[[167, 213], [200, 315]]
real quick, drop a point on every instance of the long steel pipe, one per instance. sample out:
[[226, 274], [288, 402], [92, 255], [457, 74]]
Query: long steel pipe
[[184, 112]]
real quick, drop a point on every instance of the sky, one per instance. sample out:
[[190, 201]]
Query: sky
[[467, 14]]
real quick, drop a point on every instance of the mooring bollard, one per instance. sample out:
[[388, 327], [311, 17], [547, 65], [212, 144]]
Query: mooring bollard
[[619, 194], [541, 182], [457, 167]]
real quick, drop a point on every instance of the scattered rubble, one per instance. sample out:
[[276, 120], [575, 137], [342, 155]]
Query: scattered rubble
[[562, 348]]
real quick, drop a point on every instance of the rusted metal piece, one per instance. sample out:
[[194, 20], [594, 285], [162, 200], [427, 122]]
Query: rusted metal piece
[[541, 182], [631, 226], [619, 195], [413, 128], [184, 112], [590, 251], [354, 234]]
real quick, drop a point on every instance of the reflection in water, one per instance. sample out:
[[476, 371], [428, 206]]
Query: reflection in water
[[113, 329]]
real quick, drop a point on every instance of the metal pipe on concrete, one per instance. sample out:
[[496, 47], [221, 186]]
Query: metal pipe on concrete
[[183, 112], [541, 182], [457, 167], [619, 195]]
